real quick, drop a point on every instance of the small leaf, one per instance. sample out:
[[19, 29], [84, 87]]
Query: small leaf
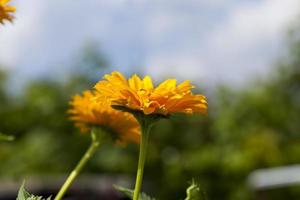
[[4, 137], [24, 195], [129, 193], [194, 192]]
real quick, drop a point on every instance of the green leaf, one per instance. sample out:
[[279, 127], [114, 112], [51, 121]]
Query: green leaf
[[4, 137], [129, 193], [24, 195], [194, 192]]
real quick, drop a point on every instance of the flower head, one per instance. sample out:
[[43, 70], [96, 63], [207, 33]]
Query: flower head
[[5, 11], [86, 113], [140, 94]]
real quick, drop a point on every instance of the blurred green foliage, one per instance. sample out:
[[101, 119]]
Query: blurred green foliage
[[246, 129]]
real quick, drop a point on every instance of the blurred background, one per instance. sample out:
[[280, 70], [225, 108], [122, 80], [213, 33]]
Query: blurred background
[[243, 55]]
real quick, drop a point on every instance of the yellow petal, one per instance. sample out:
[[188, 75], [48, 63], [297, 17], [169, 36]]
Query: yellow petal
[[10, 9], [148, 110], [184, 87], [4, 2], [148, 85], [135, 82], [115, 77], [151, 107], [131, 96], [166, 86]]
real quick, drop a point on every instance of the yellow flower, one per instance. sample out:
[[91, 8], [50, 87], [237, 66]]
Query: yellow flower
[[86, 113], [140, 94], [5, 11]]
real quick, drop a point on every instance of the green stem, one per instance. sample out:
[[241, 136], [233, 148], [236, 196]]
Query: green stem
[[88, 154], [142, 158]]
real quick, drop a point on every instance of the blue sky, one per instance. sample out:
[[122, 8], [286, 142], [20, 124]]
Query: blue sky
[[205, 41]]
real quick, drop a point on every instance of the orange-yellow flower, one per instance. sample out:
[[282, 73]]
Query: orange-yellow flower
[[6, 11], [86, 113], [140, 94]]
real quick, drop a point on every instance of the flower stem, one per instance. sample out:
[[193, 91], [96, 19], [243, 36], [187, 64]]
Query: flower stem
[[142, 157], [88, 154]]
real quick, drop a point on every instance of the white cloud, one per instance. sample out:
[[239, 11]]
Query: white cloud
[[258, 22], [251, 38], [241, 45]]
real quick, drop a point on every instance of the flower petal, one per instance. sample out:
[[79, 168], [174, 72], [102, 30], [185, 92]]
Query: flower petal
[[147, 82], [135, 83]]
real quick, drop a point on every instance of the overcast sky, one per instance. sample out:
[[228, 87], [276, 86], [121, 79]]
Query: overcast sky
[[205, 41]]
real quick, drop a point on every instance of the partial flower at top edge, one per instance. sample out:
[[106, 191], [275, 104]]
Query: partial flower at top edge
[[6, 11]]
